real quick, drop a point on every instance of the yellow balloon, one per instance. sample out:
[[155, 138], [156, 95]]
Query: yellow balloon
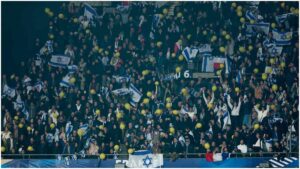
[[181, 57], [239, 13], [80, 132], [242, 49], [175, 112], [250, 47], [239, 8], [122, 126], [47, 10], [16, 118], [158, 111], [255, 70], [101, 127], [252, 21], [206, 146], [237, 90], [274, 87], [165, 11], [75, 20], [20, 125], [28, 128], [204, 32], [264, 76], [242, 20], [273, 107], [52, 125], [282, 5], [168, 105], [149, 94], [184, 91], [116, 147], [130, 151], [178, 69], [273, 25], [97, 112], [168, 99], [222, 65], [214, 88], [72, 80], [173, 55], [210, 106], [256, 126], [50, 14], [213, 38], [145, 72], [222, 49], [143, 112], [219, 72], [29, 148], [272, 61], [158, 44], [127, 106], [61, 16], [224, 33], [233, 4], [156, 83], [171, 130], [2, 149], [179, 14], [102, 156], [146, 101], [198, 126], [93, 91], [119, 115], [282, 64], [227, 37]]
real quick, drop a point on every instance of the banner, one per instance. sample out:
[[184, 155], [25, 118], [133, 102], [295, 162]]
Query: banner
[[66, 81], [89, 11], [189, 53], [136, 95], [121, 92], [145, 159], [210, 63], [205, 49], [282, 38], [275, 50], [59, 61], [252, 29]]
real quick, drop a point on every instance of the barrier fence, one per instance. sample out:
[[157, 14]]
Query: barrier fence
[[125, 156]]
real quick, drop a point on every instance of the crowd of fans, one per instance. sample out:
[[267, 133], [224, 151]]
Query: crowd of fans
[[262, 118]]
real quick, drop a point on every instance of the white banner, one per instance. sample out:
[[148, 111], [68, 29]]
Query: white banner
[[145, 160], [59, 61]]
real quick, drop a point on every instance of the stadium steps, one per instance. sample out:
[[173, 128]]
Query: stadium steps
[[282, 163]]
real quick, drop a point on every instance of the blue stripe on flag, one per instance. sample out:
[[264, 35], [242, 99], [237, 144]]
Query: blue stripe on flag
[[142, 152]]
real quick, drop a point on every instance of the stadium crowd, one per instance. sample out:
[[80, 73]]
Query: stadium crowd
[[257, 113]]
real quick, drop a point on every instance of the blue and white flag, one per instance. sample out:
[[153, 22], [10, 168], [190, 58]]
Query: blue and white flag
[[59, 61], [238, 77], [155, 22], [69, 128], [66, 81], [38, 86], [189, 53], [282, 18], [89, 11], [282, 38], [145, 159], [19, 104], [136, 95], [7, 91], [274, 50], [121, 92], [84, 128], [226, 119], [205, 49], [121, 79], [251, 15], [72, 68], [253, 29]]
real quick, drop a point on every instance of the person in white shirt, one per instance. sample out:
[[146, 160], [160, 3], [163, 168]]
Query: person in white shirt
[[242, 147], [235, 111], [261, 114]]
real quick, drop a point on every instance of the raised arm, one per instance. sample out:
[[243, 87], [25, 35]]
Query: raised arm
[[228, 101], [204, 97], [212, 97]]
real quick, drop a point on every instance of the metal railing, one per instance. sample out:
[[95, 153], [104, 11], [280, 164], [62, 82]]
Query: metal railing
[[125, 156]]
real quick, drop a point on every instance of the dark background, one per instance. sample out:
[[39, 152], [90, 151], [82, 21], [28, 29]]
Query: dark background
[[22, 23]]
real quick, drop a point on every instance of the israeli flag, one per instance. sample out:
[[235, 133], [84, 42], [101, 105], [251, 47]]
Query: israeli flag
[[136, 95], [250, 15], [121, 92], [282, 18], [274, 50], [89, 11], [205, 49], [84, 127], [59, 61], [226, 119], [7, 91], [38, 86], [253, 29], [189, 53], [72, 68], [145, 159], [66, 81], [282, 38], [121, 79], [69, 128], [238, 78]]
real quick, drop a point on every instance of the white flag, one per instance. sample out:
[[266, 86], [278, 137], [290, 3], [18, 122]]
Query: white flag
[[59, 61], [145, 159]]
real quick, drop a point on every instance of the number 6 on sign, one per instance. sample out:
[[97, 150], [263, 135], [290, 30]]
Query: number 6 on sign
[[186, 74]]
